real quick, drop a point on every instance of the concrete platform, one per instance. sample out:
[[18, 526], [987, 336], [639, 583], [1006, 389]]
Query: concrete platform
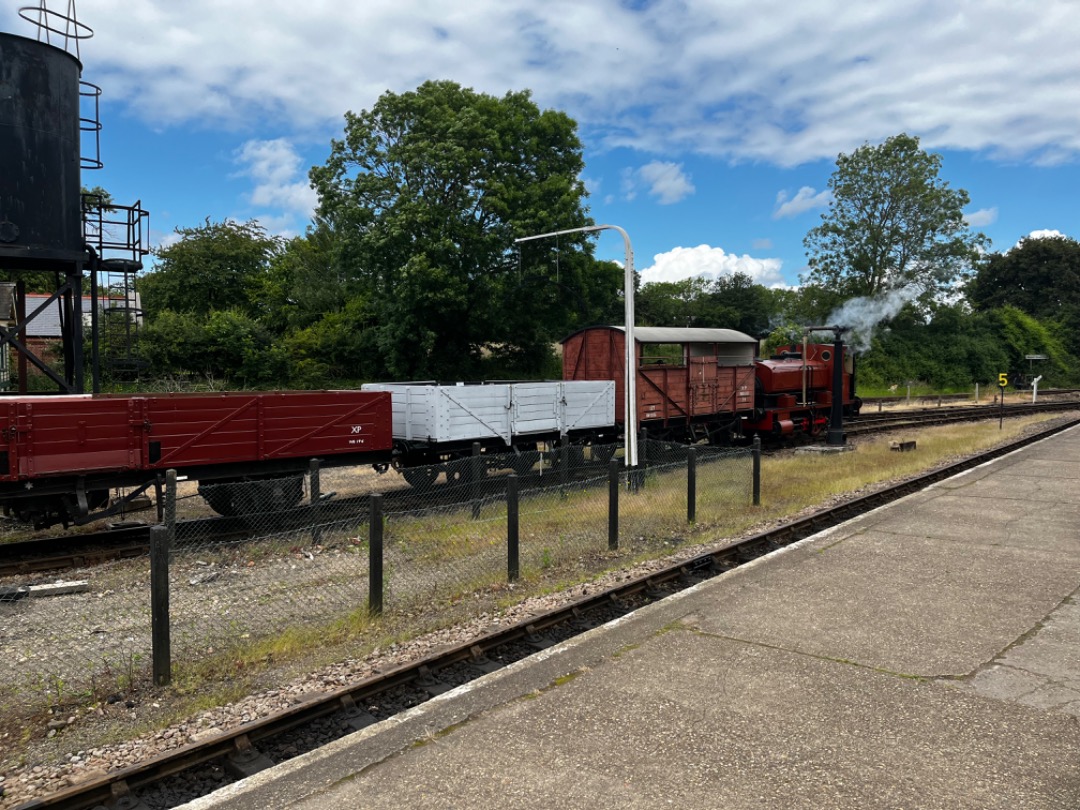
[[926, 655]]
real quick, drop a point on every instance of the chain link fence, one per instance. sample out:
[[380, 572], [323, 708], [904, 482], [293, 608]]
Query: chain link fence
[[249, 562]]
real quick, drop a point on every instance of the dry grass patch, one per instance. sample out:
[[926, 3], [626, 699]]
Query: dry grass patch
[[792, 483]]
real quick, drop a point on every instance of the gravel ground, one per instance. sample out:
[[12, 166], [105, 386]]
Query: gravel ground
[[51, 753]]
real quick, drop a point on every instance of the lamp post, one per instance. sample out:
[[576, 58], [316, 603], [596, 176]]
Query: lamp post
[[631, 359]]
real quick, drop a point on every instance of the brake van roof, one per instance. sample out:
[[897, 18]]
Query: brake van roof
[[674, 334]]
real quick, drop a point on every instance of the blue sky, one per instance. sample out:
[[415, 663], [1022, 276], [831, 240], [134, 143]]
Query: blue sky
[[710, 127]]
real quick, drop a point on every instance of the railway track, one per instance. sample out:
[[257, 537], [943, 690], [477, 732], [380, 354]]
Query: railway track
[[199, 768], [928, 399], [928, 417]]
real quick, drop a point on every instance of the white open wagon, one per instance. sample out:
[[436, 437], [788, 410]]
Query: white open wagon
[[434, 424]]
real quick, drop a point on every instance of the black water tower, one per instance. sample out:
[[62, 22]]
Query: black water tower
[[48, 229], [40, 202]]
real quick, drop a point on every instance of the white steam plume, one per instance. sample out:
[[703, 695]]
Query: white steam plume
[[862, 315]]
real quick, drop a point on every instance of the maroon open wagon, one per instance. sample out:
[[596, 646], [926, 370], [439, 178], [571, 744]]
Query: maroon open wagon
[[60, 455]]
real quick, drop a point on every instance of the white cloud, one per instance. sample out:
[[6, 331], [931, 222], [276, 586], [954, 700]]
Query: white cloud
[[1045, 233], [807, 199], [628, 183], [768, 82], [281, 184], [167, 239], [711, 262], [592, 184], [982, 217], [771, 80], [283, 225], [666, 181]]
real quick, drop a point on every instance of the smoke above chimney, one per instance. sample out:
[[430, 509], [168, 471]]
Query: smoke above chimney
[[863, 315]]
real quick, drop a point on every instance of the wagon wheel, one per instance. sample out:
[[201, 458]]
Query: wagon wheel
[[603, 453], [285, 492], [261, 504], [420, 477], [236, 498], [219, 497]]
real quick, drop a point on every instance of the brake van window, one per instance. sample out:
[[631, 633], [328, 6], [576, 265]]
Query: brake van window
[[662, 354]]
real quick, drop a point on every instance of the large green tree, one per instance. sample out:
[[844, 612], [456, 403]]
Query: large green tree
[[213, 308], [426, 193], [1040, 276], [215, 266], [892, 223], [733, 301], [226, 346], [672, 303]]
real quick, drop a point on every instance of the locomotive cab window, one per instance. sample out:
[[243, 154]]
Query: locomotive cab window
[[663, 354]]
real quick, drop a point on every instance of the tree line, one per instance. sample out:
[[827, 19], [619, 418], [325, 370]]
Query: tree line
[[409, 269]]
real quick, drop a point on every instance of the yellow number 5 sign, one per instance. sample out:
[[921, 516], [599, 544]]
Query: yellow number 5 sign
[[1003, 379]]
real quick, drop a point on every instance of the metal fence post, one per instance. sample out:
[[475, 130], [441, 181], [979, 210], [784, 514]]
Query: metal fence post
[[170, 503], [613, 505], [637, 475], [757, 470], [691, 485], [160, 640], [513, 546], [375, 554], [564, 462], [315, 490], [475, 471]]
